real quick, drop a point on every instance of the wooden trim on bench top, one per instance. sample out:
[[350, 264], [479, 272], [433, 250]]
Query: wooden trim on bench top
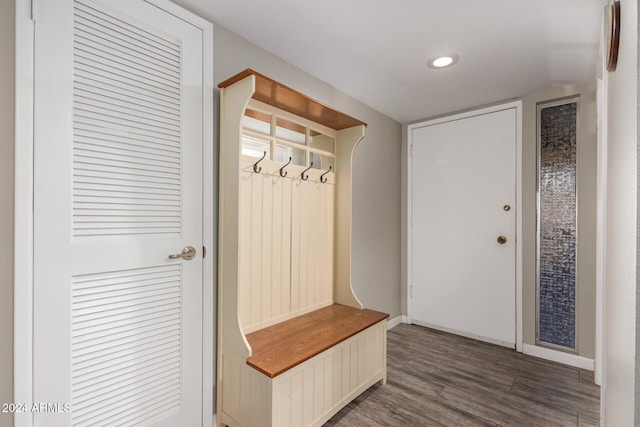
[[283, 97], [280, 347]]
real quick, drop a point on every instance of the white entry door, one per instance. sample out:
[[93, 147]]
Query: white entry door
[[463, 237], [118, 143]]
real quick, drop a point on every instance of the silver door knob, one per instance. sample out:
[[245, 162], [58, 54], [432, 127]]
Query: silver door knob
[[188, 253]]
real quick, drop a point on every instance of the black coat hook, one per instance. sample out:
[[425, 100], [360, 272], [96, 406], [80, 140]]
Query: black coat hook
[[257, 168], [282, 172], [303, 176], [322, 178]]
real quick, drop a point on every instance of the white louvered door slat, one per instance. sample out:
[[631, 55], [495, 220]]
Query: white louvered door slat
[[113, 49], [118, 187]]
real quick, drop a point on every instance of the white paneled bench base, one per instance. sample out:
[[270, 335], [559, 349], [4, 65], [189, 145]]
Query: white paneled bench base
[[304, 371]]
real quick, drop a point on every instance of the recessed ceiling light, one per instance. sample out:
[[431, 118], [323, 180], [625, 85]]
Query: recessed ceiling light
[[443, 61]]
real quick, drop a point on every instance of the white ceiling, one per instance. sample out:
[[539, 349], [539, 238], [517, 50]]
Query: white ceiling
[[376, 50]]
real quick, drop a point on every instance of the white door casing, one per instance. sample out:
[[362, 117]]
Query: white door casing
[[463, 171], [119, 141]]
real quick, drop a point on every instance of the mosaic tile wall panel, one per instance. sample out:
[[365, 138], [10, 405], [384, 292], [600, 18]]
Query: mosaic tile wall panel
[[557, 225]]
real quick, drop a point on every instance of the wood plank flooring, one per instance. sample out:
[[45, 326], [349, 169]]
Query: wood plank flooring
[[440, 379]]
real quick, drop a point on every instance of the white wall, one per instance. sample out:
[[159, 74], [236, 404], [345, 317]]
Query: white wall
[[637, 397], [621, 210], [376, 169], [7, 39]]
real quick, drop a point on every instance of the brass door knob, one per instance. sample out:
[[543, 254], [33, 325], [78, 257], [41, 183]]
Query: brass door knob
[[506, 208], [502, 240]]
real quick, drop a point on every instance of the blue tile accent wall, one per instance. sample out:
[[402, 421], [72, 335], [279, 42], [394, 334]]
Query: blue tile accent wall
[[557, 225]]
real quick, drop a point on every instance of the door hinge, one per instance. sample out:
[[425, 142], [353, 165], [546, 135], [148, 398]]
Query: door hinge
[[34, 10], [410, 147], [204, 252]]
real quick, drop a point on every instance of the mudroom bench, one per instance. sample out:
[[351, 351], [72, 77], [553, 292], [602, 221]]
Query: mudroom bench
[[295, 344]]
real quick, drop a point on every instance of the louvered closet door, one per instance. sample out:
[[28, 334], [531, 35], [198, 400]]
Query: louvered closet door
[[118, 188]]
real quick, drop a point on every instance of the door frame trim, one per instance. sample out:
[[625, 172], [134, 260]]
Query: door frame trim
[[517, 105], [23, 208], [23, 213]]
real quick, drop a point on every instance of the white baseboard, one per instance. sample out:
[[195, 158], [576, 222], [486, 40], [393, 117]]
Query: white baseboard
[[465, 334], [559, 357], [392, 323], [531, 350]]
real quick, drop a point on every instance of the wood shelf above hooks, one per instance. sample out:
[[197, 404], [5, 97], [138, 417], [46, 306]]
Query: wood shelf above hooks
[[283, 97]]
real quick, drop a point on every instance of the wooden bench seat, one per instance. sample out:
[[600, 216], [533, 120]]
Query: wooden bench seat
[[280, 347]]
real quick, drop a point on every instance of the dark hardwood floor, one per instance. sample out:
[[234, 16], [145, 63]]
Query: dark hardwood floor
[[439, 379]]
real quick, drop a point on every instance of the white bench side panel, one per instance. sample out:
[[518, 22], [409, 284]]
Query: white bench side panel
[[246, 395]]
